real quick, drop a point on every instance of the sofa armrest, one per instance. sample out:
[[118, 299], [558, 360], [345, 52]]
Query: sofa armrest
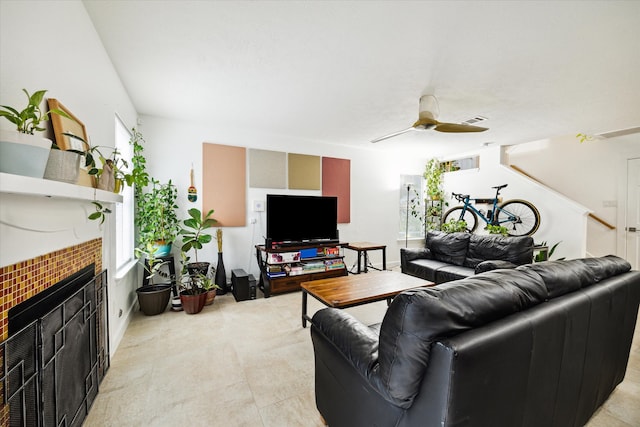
[[355, 340], [409, 254], [493, 265]]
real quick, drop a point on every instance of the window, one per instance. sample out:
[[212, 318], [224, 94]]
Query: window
[[411, 207], [124, 210]]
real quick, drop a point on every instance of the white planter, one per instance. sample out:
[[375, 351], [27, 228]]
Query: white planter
[[23, 154], [63, 166]]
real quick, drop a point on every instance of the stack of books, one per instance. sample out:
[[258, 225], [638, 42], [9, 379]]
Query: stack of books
[[313, 267], [334, 264], [296, 270], [275, 271], [332, 251]]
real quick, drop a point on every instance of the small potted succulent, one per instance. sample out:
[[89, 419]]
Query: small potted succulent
[[22, 152]]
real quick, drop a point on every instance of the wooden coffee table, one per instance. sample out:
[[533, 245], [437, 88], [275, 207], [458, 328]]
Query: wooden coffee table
[[350, 291]]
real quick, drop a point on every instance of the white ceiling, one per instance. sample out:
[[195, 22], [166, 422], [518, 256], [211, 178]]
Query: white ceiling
[[346, 72]]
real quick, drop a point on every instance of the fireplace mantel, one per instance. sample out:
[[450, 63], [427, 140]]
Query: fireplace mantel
[[25, 185]]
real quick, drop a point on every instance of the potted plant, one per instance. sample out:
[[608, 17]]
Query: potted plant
[[195, 291], [210, 288], [454, 226], [21, 151], [194, 237], [152, 298], [156, 216], [221, 275], [111, 173], [497, 229]]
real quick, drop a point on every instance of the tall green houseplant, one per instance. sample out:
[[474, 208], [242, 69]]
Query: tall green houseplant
[[434, 178], [157, 220], [155, 207]]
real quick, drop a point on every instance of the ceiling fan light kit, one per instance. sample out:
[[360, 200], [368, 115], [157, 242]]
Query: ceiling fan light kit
[[429, 110]]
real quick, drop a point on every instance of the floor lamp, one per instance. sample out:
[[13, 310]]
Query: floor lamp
[[406, 225]]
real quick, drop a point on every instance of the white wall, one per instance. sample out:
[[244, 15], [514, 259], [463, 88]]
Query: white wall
[[54, 46], [592, 173], [172, 146], [561, 219]]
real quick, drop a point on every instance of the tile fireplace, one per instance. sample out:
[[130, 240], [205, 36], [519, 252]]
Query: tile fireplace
[[54, 342]]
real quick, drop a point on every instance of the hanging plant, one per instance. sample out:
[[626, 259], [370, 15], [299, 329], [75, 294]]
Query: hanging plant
[[100, 213], [434, 177]]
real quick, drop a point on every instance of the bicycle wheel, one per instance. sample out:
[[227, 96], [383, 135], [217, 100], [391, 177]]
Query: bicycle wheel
[[519, 216], [470, 217]]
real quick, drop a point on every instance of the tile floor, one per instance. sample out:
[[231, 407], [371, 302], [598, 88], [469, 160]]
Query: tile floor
[[248, 364]]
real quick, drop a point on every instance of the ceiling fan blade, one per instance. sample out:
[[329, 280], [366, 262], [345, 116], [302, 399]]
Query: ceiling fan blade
[[457, 128], [391, 135]]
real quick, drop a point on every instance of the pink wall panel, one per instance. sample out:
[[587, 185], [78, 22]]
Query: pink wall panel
[[336, 181]]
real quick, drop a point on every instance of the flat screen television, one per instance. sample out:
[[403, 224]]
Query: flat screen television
[[301, 219]]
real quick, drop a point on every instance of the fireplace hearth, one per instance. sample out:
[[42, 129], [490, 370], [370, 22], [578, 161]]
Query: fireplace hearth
[[57, 352]]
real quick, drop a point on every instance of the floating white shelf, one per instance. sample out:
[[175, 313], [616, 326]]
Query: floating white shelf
[[26, 185]]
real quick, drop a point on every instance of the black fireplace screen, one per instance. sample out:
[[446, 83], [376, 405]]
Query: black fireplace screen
[[53, 366]]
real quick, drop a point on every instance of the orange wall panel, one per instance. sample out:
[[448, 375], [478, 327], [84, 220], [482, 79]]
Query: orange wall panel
[[224, 183]]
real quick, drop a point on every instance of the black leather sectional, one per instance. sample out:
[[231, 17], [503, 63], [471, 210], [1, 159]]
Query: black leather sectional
[[543, 344], [453, 256]]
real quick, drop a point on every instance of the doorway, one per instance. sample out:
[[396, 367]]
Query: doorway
[[632, 230]]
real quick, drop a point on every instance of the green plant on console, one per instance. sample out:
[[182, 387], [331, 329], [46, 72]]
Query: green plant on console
[[454, 226], [193, 231], [28, 120]]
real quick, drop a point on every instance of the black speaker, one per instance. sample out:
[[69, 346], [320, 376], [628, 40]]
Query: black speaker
[[244, 285]]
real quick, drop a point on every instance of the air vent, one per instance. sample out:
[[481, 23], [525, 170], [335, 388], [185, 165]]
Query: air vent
[[616, 133], [473, 121]]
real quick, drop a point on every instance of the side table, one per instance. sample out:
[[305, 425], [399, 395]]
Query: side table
[[362, 248]]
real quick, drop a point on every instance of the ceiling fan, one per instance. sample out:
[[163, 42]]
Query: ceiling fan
[[429, 111]]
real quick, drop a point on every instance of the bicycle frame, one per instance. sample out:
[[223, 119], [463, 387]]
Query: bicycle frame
[[495, 208], [520, 217], [467, 205]]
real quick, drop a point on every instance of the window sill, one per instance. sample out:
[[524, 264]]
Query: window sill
[[125, 269]]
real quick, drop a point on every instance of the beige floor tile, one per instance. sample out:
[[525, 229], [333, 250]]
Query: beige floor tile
[[248, 363]]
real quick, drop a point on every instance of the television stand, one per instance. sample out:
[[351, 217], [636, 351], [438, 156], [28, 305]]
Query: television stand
[[284, 268]]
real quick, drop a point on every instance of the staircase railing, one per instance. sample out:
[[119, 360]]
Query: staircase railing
[[591, 215]]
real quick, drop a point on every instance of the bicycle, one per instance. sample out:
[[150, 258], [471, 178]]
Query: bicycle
[[520, 217]]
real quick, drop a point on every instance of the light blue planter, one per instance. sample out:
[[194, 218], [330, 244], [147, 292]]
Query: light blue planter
[[162, 250], [22, 154]]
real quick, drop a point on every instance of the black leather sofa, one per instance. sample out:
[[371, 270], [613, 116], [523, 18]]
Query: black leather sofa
[[453, 256], [540, 345]]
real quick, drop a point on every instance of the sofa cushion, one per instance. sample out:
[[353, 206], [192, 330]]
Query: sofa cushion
[[493, 265], [515, 249], [416, 318], [607, 266], [448, 247], [450, 272], [424, 268], [562, 277]]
